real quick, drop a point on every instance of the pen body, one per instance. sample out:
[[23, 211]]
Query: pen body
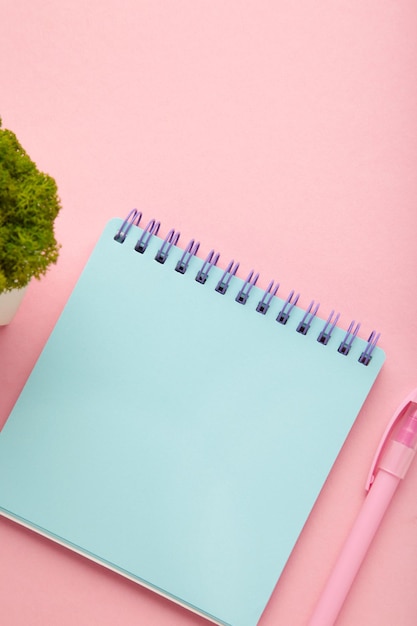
[[354, 549], [393, 465]]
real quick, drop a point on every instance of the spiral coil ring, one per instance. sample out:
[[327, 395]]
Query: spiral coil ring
[[171, 240], [284, 315], [190, 251], [151, 229], [223, 284], [265, 302], [133, 217], [211, 260], [250, 282], [328, 328]]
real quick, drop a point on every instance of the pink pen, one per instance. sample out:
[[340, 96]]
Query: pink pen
[[391, 462]]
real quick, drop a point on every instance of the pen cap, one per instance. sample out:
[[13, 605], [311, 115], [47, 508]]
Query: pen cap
[[401, 433], [401, 448], [406, 428]]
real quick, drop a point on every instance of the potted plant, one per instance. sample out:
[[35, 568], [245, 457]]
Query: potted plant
[[29, 204]]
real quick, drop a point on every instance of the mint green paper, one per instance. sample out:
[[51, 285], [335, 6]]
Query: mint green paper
[[175, 435]]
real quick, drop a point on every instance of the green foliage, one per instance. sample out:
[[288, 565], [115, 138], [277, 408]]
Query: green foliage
[[29, 204]]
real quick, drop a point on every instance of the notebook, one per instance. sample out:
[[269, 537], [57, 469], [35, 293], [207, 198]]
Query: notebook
[[181, 420]]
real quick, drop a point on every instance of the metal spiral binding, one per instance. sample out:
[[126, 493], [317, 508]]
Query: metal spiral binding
[[223, 284], [284, 315], [309, 315], [152, 228], [170, 240], [134, 216], [211, 259], [190, 251], [348, 339], [265, 302], [250, 282], [328, 328], [366, 355]]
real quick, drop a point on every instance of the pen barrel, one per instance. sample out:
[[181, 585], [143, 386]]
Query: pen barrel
[[354, 549]]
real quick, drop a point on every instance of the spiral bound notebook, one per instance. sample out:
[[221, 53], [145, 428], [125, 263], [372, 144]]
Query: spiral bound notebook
[[180, 422]]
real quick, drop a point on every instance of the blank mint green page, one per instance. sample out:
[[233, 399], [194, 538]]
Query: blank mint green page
[[176, 435]]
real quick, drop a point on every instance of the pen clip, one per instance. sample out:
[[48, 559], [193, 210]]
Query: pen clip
[[412, 397]]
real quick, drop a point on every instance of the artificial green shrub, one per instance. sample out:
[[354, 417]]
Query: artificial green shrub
[[29, 204]]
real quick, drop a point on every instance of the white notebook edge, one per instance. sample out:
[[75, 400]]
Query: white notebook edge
[[91, 557]]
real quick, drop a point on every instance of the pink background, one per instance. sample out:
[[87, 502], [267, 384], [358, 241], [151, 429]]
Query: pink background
[[282, 133]]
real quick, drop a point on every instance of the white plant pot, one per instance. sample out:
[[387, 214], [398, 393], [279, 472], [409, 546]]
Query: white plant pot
[[9, 303]]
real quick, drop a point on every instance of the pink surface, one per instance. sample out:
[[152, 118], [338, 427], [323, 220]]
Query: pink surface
[[285, 135]]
